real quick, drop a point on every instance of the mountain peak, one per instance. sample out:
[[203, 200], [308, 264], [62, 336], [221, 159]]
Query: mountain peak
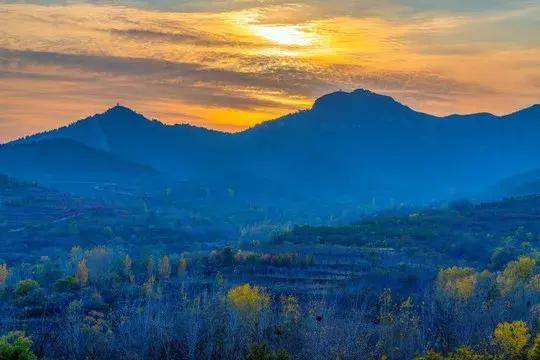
[[120, 114], [359, 100], [120, 110]]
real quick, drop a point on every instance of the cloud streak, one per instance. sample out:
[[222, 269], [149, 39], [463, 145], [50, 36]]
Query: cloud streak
[[229, 64]]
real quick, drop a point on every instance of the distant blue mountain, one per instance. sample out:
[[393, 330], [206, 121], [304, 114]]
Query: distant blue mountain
[[349, 146], [364, 143], [521, 184], [120, 131], [65, 160]]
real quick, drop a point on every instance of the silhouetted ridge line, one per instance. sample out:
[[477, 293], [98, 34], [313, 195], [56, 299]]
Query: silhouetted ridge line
[[355, 145], [357, 100]]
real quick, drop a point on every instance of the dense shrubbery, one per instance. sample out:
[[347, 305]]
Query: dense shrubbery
[[16, 346], [103, 303], [489, 234], [510, 341], [456, 283]]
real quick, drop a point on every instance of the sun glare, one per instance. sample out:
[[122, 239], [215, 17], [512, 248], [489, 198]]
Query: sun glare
[[284, 34]]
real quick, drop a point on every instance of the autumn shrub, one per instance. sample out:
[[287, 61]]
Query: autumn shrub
[[512, 338], [263, 352], [82, 273], [248, 299], [25, 287], [67, 284], [4, 273], [457, 282], [517, 272], [534, 351]]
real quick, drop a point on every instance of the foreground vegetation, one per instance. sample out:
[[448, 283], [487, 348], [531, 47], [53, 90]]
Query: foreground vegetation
[[148, 279], [101, 304]]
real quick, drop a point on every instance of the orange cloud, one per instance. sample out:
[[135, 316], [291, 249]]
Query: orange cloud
[[229, 70]]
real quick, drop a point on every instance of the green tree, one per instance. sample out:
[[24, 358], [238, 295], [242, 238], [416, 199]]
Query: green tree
[[16, 346], [465, 353], [25, 287], [46, 272], [430, 355], [462, 353], [263, 352], [67, 284], [108, 232]]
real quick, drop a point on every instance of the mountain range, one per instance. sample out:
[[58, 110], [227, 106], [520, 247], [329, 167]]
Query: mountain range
[[350, 146]]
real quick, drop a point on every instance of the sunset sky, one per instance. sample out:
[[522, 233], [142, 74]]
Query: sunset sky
[[228, 64]]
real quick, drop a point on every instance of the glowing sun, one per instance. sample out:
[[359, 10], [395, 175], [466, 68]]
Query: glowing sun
[[284, 34]]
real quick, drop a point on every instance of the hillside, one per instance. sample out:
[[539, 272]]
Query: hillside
[[363, 143], [63, 160], [177, 149], [482, 235], [356, 148], [29, 214], [520, 184], [36, 220]]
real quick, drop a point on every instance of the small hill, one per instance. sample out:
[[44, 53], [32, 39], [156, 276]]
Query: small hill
[[178, 149], [527, 183], [64, 160], [484, 234], [30, 215]]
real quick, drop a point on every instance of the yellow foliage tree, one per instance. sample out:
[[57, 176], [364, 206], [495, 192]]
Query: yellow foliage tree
[[182, 265], [97, 261], [534, 283], [148, 286], [457, 282], [82, 273], [165, 267], [534, 351], [430, 355], [4, 273], [516, 273], [465, 353], [461, 353], [150, 266], [290, 308], [127, 268], [512, 338], [76, 254], [248, 299]]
